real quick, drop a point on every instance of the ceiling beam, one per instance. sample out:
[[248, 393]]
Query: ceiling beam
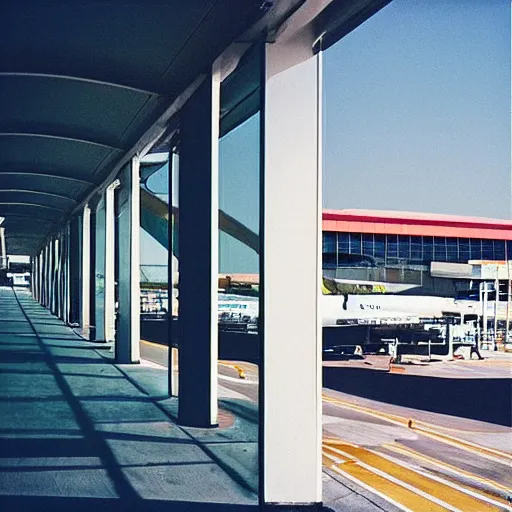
[[47, 175], [35, 205], [28, 191], [12, 218], [35, 135], [79, 79]]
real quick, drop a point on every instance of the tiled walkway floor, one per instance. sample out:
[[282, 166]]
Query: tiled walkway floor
[[80, 433]]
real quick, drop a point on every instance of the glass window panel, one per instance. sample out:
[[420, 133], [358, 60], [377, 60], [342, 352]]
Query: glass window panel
[[499, 249], [487, 250], [154, 239], [158, 182], [404, 247], [343, 243], [239, 197], [416, 249], [439, 248], [329, 242], [452, 250], [475, 245], [380, 246], [355, 243], [329, 260], [464, 251], [392, 246], [368, 245], [428, 249], [509, 249]]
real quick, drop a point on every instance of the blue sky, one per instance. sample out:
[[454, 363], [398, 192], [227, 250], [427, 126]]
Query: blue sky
[[416, 117], [417, 110]]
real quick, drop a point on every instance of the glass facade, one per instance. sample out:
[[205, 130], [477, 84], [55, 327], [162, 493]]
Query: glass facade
[[405, 249]]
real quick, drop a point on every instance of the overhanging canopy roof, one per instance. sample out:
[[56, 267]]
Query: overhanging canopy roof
[[81, 82]]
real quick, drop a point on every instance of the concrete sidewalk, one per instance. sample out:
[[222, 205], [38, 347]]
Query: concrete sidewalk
[[78, 432]]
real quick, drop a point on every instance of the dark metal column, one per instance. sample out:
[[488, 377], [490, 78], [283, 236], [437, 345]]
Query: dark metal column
[[198, 235]]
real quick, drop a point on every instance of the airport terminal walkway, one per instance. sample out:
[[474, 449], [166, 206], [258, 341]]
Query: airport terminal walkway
[[78, 432]]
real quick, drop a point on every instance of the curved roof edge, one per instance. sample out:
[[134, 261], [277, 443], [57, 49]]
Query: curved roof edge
[[420, 224]]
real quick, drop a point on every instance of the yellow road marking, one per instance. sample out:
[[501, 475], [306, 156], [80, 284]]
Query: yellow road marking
[[152, 343], [429, 431], [437, 490], [237, 367], [391, 490], [404, 450]]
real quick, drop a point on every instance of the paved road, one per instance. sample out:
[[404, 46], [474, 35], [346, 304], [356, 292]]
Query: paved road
[[400, 458]]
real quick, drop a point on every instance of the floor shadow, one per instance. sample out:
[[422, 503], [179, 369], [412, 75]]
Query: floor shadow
[[61, 504], [247, 411], [486, 400], [110, 449], [51, 447]]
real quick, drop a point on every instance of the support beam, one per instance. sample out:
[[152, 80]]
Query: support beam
[[39, 273], [66, 283], [44, 280], [54, 264], [198, 193], [61, 275], [85, 278], [291, 138], [49, 276], [3, 250], [32, 274], [110, 241], [92, 281], [74, 292], [128, 240]]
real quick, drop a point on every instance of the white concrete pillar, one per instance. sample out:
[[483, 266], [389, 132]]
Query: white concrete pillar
[[66, 284], [49, 266], [291, 221], [33, 279], [85, 274], [128, 237], [40, 277], [198, 236], [48, 275], [55, 276], [44, 295], [3, 250], [61, 275], [52, 253], [37, 277], [32, 274], [110, 241]]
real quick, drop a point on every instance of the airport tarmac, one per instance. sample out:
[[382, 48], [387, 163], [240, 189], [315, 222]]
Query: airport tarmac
[[395, 457]]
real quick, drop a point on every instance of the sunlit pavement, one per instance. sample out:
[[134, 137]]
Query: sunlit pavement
[[400, 458], [80, 433], [495, 365]]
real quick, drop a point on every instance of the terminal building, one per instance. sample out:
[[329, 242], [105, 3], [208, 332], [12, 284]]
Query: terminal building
[[419, 253]]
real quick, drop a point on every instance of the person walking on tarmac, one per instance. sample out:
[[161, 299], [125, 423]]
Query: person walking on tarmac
[[475, 347]]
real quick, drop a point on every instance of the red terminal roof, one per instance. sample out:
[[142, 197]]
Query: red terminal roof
[[417, 224]]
